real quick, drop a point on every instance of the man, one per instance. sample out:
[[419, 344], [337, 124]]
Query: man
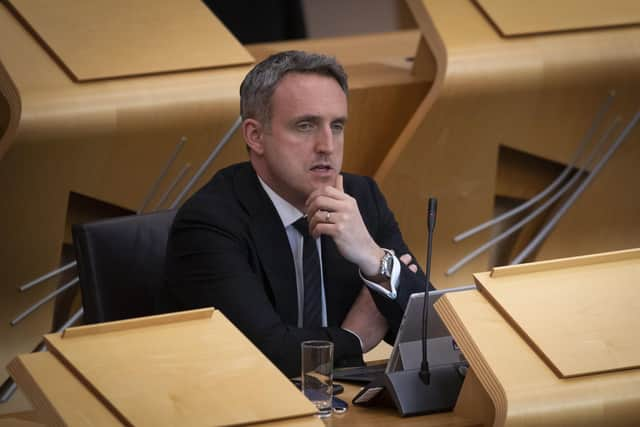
[[244, 245]]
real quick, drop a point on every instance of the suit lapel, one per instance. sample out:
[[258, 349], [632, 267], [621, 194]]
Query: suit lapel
[[271, 243]]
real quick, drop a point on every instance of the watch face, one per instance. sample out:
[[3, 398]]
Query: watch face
[[386, 264]]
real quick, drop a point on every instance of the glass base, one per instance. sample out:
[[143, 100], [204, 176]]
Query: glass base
[[324, 412]]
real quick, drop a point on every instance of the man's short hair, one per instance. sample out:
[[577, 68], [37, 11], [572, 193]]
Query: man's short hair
[[258, 86]]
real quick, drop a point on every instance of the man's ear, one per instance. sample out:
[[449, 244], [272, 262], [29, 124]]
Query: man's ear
[[252, 131]]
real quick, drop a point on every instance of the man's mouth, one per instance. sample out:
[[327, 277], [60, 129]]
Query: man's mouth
[[321, 168]]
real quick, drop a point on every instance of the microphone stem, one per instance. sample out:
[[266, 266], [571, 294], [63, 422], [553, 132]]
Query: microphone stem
[[424, 371]]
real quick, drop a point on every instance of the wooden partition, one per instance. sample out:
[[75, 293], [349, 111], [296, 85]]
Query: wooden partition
[[549, 345], [534, 96], [191, 368]]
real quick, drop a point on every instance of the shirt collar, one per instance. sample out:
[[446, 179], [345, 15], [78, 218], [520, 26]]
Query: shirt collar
[[287, 212]]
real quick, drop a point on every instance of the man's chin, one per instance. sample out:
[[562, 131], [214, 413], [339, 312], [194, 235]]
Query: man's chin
[[324, 181]]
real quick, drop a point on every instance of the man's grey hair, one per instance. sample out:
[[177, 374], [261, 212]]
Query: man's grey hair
[[258, 86]]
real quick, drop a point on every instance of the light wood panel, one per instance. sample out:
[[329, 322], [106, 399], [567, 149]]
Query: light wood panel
[[521, 387], [537, 95], [520, 17], [96, 40], [62, 399], [190, 368], [59, 397], [19, 419], [586, 328]]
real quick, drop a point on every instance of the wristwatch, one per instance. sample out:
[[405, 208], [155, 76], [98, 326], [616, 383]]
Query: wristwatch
[[386, 265]]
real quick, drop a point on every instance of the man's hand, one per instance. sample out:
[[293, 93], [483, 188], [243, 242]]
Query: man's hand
[[365, 320], [332, 212]]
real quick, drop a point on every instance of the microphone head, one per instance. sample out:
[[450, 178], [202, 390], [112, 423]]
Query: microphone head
[[432, 210]]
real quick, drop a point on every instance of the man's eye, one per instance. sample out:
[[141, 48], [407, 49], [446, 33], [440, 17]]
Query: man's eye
[[337, 127], [304, 126]]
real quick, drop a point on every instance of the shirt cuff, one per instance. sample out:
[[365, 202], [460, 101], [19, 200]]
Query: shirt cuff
[[393, 282], [357, 336]]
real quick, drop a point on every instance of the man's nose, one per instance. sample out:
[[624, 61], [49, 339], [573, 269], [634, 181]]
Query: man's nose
[[325, 140]]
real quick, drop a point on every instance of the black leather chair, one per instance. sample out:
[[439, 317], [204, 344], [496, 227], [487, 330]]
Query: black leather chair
[[121, 264]]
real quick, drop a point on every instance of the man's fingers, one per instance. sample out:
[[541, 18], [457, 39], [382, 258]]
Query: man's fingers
[[406, 259], [323, 203], [325, 193], [339, 183], [316, 229]]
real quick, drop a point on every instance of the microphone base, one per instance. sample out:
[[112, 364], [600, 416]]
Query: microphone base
[[413, 397]]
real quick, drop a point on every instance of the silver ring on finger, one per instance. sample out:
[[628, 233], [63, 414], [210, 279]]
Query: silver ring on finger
[[327, 217]]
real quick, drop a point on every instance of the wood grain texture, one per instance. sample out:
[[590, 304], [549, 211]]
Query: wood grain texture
[[144, 322], [62, 399], [579, 261], [59, 397], [514, 18], [586, 328], [521, 387], [199, 372], [93, 40], [536, 95]]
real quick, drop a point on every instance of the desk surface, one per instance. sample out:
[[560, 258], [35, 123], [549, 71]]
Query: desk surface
[[39, 384], [388, 416]]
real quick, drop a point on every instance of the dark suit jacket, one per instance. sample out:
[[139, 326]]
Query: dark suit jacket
[[229, 249]]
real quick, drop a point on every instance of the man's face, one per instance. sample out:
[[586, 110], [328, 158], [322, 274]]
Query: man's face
[[302, 148]]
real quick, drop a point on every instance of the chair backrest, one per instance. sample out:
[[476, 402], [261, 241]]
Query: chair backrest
[[121, 264]]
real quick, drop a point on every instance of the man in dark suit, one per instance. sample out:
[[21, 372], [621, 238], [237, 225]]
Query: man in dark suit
[[286, 246]]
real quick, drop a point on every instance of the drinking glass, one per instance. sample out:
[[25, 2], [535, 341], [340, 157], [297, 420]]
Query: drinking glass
[[317, 374]]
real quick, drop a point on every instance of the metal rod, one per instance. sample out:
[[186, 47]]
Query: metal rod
[[595, 124], [207, 162], [565, 207], [44, 300], [49, 275], [71, 321], [473, 254], [172, 185], [160, 177], [460, 288], [8, 387]]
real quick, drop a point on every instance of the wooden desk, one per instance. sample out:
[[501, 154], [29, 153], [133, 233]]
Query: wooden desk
[[50, 392], [84, 377]]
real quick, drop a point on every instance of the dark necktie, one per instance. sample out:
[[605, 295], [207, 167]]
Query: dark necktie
[[312, 311]]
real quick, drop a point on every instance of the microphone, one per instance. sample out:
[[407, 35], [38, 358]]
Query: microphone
[[432, 210], [424, 389]]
